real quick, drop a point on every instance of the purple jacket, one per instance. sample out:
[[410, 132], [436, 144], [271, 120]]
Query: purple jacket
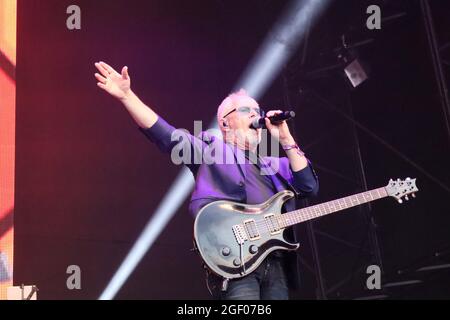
[[225, 181]]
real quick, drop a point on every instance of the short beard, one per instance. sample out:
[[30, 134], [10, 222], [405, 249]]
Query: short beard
[[245, 139]]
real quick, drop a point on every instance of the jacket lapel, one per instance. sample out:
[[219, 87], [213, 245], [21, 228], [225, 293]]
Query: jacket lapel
[[239, 157], [278, 180]]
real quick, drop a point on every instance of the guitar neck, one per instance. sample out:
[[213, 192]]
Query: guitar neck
[[319, 210]]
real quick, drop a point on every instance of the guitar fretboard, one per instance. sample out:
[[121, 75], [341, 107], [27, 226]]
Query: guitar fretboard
[[319, 210]]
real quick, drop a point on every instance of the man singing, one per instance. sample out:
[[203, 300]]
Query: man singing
[[238, 181]]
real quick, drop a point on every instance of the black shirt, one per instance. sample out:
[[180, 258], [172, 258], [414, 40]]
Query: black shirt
[[258, 187]]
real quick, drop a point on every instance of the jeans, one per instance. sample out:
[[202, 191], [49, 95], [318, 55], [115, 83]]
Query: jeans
[[267, 282]]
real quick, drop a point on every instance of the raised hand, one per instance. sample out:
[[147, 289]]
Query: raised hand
[[116, 84]]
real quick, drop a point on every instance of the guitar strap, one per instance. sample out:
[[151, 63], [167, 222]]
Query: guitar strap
[[262, 165]]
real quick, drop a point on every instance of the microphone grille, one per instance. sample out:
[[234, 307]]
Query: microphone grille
[[257, 123]]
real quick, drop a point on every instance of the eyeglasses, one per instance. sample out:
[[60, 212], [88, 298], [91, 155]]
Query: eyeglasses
[[247, 110]]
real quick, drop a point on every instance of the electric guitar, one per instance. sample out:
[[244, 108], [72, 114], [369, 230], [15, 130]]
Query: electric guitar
[[234, 238]]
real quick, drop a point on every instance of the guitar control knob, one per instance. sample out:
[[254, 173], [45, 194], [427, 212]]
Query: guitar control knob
[[253, 249], [237, 262], [226, 251]]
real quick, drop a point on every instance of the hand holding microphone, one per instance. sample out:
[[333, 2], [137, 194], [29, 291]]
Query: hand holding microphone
[[260, 122]]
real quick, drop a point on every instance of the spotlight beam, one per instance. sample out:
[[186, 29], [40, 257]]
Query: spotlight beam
[[280, 44], [169, 205]]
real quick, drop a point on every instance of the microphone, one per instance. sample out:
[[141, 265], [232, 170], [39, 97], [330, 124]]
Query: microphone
[[260, 122]]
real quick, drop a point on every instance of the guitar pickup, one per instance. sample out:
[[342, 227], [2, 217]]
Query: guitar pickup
[[252, 229], [272, 223]]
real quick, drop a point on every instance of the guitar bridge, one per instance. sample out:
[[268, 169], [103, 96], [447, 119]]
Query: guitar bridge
[[239, 234]]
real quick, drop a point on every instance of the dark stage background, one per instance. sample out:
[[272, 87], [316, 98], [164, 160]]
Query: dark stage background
[[87, 181]]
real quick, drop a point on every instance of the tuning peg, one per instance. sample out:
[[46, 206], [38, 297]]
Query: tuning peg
[[408, 178], [406, 198], [413, 195], [400, 200]]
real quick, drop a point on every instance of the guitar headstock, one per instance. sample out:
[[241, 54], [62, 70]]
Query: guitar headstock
[[401, 188]]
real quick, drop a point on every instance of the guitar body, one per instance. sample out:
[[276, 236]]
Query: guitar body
[[234, 238]]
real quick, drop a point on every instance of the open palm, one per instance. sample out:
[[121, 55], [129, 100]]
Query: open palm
[[116, 84]]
